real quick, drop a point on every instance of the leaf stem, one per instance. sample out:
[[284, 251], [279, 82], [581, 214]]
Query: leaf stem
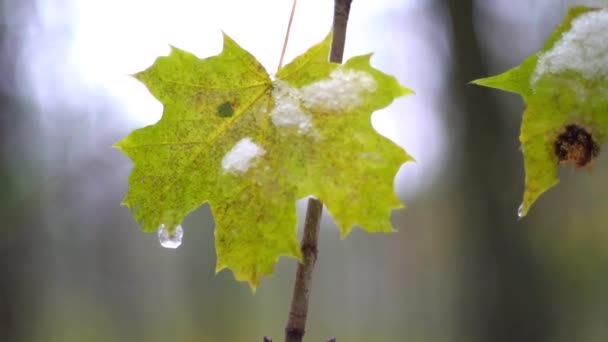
[[296, 324], [293, 11]]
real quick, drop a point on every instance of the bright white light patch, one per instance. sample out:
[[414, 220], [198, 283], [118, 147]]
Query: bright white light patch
[[240, 158], [287, 111], [342, 91], [582, 49]]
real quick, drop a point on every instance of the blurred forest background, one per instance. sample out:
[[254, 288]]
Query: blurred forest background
[[74, 266]]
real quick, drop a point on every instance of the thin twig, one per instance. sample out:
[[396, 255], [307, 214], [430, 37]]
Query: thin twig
[[296, 324], [293, 11]]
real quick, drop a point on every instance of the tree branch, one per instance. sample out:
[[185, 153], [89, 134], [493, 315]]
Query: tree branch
[[296, 324], [295, 329], [341, 12]]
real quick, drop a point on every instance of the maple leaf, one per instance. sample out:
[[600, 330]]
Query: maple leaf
[[251, 146], [565, 87]]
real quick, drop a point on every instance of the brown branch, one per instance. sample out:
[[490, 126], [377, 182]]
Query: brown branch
[[341, 12], [296, 324]]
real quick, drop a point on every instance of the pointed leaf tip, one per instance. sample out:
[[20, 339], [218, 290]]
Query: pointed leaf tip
[[117, 145], [228, 41]]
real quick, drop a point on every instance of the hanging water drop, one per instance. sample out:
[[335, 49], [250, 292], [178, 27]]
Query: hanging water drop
[[170, 240], [520, 211]]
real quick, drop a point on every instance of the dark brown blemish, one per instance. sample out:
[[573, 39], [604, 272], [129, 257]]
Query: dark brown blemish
[[576, 146], [225, 110]]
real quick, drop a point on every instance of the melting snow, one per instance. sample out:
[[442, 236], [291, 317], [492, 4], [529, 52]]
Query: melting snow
[[287, 111], [240, 158], [342, 91], [582, 49]]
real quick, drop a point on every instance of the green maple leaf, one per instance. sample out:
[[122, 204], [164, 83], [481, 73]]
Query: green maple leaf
[[251, 146], [565, 87]]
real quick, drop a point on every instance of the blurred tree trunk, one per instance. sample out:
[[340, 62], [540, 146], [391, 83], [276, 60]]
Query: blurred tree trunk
[[10, 268], [506, 294], [8, 283], [15, 246]]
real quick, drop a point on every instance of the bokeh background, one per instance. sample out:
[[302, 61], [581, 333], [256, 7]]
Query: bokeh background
[[75, 267]]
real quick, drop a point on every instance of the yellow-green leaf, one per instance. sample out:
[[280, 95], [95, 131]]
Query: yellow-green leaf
[[565, 87], [251, 147]]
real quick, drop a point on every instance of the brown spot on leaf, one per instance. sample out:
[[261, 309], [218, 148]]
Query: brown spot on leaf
[[576, 146], [225, 110]]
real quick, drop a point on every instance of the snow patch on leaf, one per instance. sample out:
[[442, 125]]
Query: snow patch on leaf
[[582, 49], [342, 91], [240, 158], [287, 111]]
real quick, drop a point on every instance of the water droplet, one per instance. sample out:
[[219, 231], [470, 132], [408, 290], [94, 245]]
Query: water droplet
[[170, 240], [520, 211]]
